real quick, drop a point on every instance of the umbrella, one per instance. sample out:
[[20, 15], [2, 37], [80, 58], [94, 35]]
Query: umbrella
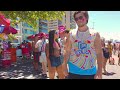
[[9, 30], [41, 34], [32, 37], [4, 20], [12, 30]]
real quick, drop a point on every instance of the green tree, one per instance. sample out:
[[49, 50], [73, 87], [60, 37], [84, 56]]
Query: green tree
[[31, 17]]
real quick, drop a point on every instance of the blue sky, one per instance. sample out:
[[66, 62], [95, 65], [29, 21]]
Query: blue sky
[[105, 22]]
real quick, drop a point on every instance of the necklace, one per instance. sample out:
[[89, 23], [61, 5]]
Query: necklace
[[82, 36]]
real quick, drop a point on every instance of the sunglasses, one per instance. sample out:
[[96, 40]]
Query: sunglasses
[[56, 32], [79, 18]]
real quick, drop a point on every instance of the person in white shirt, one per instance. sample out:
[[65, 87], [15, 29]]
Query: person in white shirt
[[41, 44]]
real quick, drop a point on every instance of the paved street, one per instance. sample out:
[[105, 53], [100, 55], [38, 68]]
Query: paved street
[[25, 70], [113, 70], [20, 70]]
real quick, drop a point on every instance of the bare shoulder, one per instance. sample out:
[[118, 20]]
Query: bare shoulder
[[72, 35], [97, 41], [97, 36]]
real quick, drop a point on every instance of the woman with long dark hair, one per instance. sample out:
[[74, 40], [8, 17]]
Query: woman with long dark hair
[[54, 56]]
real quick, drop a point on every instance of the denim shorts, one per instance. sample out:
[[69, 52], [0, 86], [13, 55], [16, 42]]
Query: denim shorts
[[56, 61]]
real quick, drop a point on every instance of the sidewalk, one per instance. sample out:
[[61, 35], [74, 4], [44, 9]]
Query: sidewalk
[[20, 70], [113, 70], [25, 70]]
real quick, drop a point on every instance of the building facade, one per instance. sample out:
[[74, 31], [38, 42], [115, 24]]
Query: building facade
[[24, 30], [68, 21]]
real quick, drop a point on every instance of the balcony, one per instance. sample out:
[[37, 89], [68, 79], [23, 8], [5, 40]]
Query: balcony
[[44, 21], [44, 30], [26, 25]]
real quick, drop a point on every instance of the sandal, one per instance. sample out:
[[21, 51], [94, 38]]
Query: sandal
[[105, 73]]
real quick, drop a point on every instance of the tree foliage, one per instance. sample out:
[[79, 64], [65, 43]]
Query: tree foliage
[[31, 17]]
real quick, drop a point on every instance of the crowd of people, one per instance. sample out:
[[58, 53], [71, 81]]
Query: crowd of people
[[109, 49], [70, 54]]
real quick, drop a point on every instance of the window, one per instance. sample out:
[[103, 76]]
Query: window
[[16, 26]]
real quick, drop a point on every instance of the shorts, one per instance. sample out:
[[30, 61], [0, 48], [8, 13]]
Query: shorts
[[106, 55], [56, 61], [42, 57], [36, 56], [76, 76]]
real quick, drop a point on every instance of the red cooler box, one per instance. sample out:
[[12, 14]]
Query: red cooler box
[[6, 63], [13, 55]]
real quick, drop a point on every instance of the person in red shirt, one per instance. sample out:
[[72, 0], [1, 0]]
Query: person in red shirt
[[23, 50]]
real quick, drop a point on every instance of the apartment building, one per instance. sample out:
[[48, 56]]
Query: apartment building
[[24, 30], [68, 21]]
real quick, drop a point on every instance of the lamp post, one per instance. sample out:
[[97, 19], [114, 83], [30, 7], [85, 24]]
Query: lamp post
[[2, 28]]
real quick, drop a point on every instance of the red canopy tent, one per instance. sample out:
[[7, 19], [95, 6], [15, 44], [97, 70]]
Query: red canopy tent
[[10, 30], [4, 20], [7, 29], [32, 37], [40, 35]]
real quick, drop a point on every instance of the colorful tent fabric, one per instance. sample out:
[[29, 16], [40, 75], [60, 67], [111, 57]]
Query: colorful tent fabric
[[3, 36], [32, 37], [40, 35], [4, 20], [7, 29]]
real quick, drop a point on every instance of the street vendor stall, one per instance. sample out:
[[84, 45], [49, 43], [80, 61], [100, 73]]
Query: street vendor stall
[[6, 34], [6, 59]]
